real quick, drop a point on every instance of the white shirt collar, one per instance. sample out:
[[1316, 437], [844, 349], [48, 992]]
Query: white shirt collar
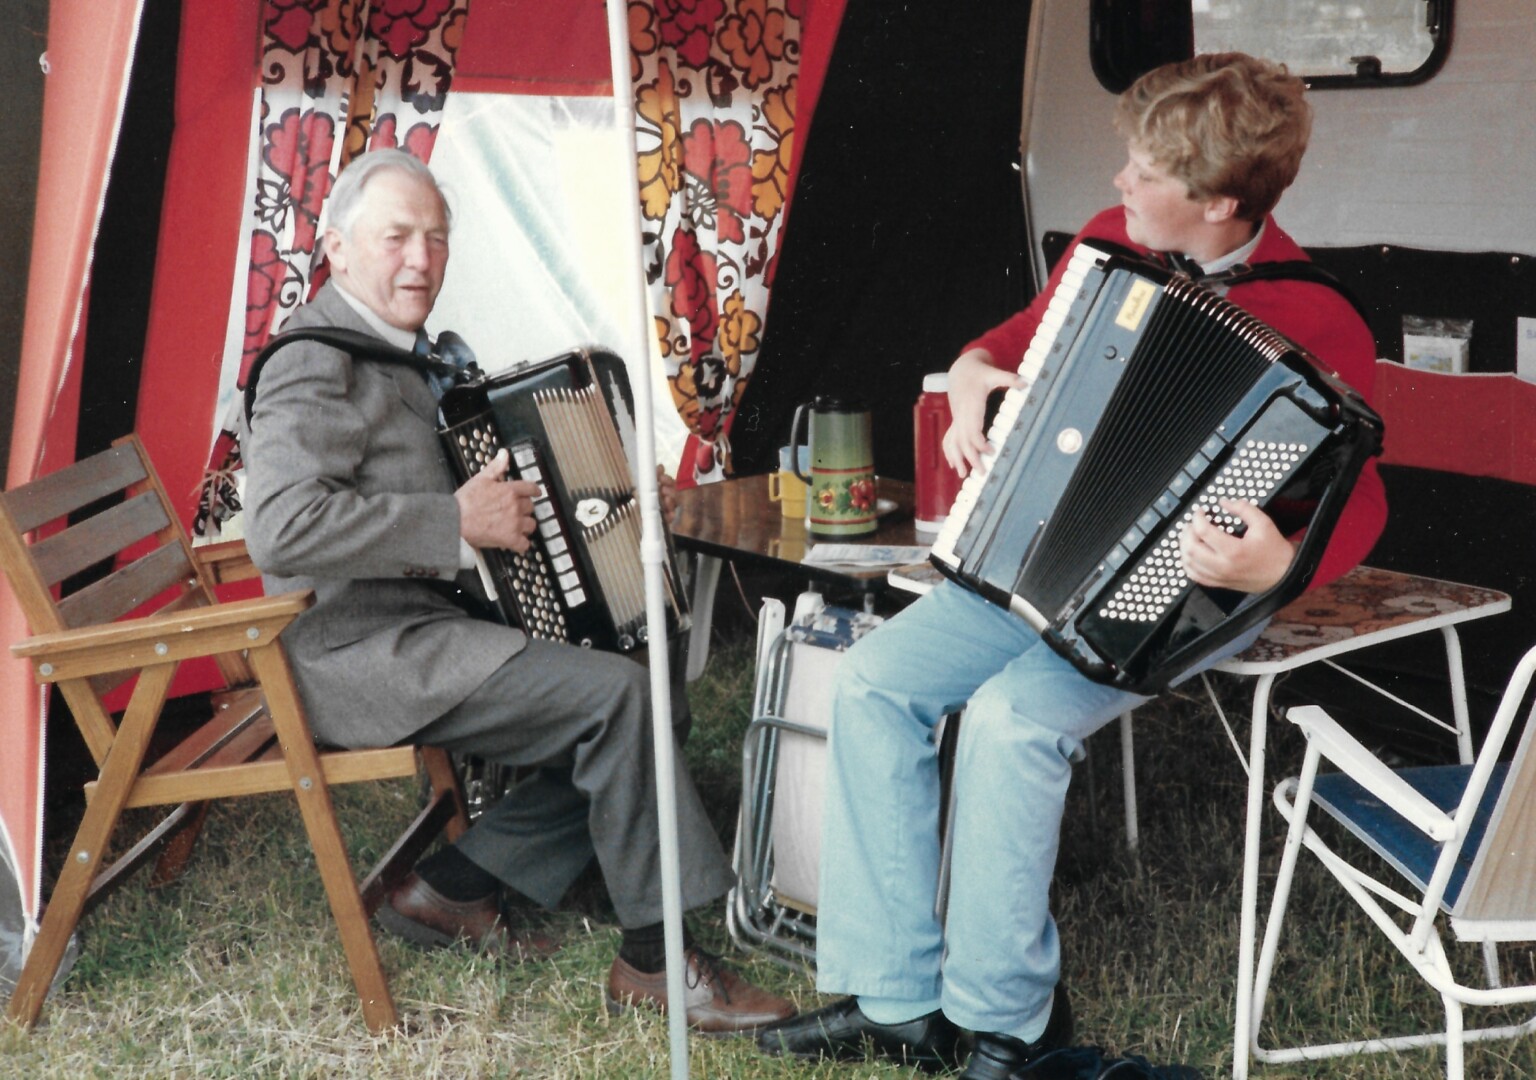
[[405, 339], [1237, 255]]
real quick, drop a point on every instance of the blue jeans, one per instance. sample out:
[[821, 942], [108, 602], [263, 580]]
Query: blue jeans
[[994, 963]]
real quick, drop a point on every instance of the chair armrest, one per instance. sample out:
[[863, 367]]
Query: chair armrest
[[161, 638], [227, 561], [1367, 770]]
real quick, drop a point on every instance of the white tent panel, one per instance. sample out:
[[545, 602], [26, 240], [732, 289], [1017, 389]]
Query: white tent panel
[[538, 218]]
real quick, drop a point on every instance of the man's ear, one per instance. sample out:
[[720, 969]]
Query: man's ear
[[1220, 209], [334, 245]]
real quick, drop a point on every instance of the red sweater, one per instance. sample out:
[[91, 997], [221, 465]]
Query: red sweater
[[1314, 316]]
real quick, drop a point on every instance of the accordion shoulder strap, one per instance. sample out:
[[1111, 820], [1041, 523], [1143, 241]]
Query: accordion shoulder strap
[[352, 342], [1244, 273], [1288, 270]]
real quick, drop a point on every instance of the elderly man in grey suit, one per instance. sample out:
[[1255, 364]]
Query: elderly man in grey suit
[[349, 494]]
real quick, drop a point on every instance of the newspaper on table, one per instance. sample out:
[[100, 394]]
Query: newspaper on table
[[864, 555]]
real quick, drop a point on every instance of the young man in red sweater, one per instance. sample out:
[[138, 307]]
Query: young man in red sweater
[[1212, 143]]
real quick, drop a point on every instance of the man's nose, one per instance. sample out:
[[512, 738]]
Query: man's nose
[[416, 252]]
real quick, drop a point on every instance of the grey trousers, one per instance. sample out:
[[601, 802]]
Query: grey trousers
[[583, 717]]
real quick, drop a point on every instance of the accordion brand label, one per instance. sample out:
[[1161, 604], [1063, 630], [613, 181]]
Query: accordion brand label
[[1135, 304]]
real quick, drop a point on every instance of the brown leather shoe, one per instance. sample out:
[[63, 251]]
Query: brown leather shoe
[[422, 915], [720, 1002]]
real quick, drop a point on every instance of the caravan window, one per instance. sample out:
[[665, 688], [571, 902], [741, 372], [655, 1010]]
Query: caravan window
[[1331, 43]]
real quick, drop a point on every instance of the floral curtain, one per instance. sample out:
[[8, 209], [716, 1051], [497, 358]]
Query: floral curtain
[[714, 84], [338, 76]]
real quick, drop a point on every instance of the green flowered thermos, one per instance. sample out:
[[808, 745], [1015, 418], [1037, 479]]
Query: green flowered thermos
[[840, 500]]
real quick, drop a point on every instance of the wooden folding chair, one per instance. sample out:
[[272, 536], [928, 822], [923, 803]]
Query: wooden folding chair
[[1462, 840], [154, 608]]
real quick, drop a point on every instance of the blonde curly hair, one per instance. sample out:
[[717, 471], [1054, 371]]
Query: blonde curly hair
[[1226, 124]]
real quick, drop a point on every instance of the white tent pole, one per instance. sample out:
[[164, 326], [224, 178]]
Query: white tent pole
[[652, 547]]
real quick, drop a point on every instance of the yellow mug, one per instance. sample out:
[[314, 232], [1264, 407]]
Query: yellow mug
[[787, 489]]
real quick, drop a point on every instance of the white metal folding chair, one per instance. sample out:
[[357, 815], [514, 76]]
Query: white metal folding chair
[[1464, 838], [778, 839]]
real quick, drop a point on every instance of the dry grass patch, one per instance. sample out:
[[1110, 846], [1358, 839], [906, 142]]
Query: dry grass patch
[[236, 970]]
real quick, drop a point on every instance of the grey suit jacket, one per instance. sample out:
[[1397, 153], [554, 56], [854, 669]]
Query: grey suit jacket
[[348, 493]]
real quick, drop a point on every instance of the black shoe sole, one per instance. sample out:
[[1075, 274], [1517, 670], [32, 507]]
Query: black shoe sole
[[416, 933], [845, 1053]]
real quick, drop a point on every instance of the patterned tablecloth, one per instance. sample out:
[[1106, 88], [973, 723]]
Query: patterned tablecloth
[[1365, 602], [1364, 606]]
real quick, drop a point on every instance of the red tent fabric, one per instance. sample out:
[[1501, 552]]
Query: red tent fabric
[[201, 220], [90, 45]]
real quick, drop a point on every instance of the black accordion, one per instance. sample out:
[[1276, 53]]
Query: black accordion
[[1149, 398], [567, 424]]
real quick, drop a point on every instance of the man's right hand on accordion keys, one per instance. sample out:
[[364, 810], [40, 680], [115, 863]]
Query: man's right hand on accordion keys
[[495, 512]]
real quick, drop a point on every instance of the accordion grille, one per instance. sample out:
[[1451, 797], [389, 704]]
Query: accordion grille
[[583, 439], [1198, 357]]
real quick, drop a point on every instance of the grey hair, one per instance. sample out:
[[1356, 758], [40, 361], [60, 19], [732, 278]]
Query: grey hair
[[345, 201]]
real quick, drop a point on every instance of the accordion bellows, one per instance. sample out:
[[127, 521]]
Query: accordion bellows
[[1148, 398], [564, 422]]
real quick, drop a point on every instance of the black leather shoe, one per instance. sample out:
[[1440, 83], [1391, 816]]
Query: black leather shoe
[[1000, 1057], [842, 1033]]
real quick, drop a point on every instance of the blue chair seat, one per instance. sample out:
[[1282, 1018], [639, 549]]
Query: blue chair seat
[[1385, 832]]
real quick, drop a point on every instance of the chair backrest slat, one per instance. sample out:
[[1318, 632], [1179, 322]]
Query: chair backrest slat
[[39, 549], [127, 588], [99, 537], [1501, 883], [63, 492]]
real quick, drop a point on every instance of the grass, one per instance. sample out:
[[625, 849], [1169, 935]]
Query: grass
[[236, 969]]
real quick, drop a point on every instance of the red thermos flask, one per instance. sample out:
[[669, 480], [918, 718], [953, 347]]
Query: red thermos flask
[[935, 483]]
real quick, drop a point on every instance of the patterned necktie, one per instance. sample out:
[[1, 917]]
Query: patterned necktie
[[449, 349]]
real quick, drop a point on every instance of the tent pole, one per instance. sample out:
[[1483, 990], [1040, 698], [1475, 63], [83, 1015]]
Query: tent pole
[[652, 547]]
